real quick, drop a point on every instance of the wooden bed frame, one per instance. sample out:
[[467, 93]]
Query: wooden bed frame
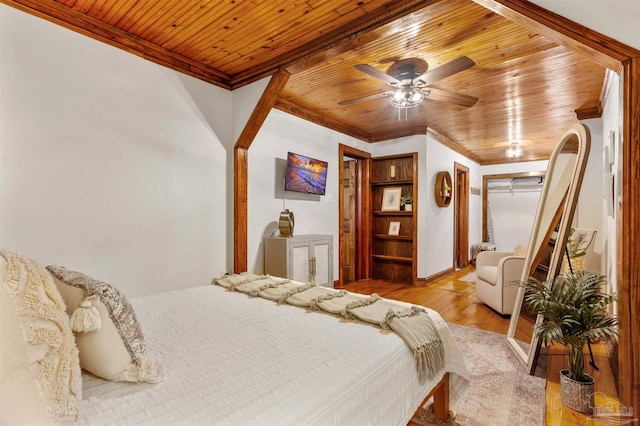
[[440, 394]]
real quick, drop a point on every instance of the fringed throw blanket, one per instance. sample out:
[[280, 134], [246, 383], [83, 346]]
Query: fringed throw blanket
[[412, 324], [49, 349]]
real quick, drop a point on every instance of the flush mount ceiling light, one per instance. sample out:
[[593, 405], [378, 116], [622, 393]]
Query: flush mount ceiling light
[[515, 150], [407, 97]]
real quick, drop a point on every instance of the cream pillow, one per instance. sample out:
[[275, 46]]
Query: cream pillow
[[40, 378], [520, 251], [107, 332]]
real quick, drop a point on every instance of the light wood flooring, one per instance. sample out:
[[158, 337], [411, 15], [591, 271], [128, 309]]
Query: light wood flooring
[[457, 303]]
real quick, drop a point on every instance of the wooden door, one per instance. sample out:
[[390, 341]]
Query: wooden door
[[349, 219], [461, 213]]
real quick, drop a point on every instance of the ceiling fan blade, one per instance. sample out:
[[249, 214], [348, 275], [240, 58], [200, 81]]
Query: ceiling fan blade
[[376, 73], [451, 97], [365, 98], [461, 63]]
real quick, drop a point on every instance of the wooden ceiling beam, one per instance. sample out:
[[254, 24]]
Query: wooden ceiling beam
[[598, 47], [241, 168], [354, 35], [383, 15]]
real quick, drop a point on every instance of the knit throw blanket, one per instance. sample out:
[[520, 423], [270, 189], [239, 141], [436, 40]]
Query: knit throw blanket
[[412, 324]]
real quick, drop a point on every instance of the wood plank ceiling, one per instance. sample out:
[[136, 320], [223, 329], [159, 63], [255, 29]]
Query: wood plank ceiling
[[530, 89]]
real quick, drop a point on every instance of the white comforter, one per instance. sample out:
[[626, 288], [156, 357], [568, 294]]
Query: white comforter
[[231, 359]]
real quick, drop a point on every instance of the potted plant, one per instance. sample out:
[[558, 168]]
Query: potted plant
[[577, 249], [407, 203], [574, 312]]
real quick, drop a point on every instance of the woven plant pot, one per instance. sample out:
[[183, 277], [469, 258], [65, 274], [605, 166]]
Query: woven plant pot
[[577, 395], [577, 263]]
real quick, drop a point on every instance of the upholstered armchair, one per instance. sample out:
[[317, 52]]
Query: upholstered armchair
[[498, 274]]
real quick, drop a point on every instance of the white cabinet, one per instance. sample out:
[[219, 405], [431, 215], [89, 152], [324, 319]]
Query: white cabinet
[[305, 258]]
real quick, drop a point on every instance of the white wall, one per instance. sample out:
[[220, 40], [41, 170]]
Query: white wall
[[612, 123], [513, 213], [110, 164], [439, 224], [314, 214], [590, 209]]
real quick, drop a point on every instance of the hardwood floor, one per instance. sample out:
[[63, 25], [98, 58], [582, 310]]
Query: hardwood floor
[[457, 303]]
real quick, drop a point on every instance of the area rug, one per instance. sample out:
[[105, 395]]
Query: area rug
[[501, 392], [470, 277]]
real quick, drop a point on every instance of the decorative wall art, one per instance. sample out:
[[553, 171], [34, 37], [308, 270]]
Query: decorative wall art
[[391, 199], [394, 228]]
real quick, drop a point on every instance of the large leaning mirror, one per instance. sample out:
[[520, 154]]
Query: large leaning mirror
[[549, 234]]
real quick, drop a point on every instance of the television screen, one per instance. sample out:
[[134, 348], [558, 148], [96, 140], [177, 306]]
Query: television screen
[[305, 174]]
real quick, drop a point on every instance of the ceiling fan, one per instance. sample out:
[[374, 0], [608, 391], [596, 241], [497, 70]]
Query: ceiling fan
[[411, 82]]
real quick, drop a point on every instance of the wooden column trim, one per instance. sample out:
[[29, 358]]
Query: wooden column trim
[[628, 241], [240, 208], [241, 168]]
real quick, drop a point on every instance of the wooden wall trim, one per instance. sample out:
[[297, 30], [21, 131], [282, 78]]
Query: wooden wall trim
[[628, 241], [322, 120], [446, 141], [241, 168]]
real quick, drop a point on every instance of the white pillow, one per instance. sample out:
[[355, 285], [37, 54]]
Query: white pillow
[[111, 342], [40, 378]]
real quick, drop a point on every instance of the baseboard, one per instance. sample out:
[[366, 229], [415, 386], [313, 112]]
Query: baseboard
[[423, 282]]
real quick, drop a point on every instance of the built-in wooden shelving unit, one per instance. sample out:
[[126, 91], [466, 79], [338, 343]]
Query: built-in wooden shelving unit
[[393, 257]]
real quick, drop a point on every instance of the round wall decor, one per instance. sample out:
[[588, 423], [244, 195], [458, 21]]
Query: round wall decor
[[443, 190]]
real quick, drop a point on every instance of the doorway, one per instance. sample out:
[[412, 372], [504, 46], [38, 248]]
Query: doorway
[[461, 216], [353, 215]]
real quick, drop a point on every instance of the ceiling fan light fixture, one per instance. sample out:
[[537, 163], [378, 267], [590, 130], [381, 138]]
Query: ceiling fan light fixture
[[514, 151], [407, 97]]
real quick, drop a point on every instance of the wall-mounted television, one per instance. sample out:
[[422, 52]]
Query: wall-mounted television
[[305, 174]]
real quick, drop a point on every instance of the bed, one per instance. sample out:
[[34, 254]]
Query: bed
[[233, 359]]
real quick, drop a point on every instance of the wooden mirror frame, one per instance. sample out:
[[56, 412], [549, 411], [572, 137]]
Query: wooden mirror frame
[[556, 208]]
